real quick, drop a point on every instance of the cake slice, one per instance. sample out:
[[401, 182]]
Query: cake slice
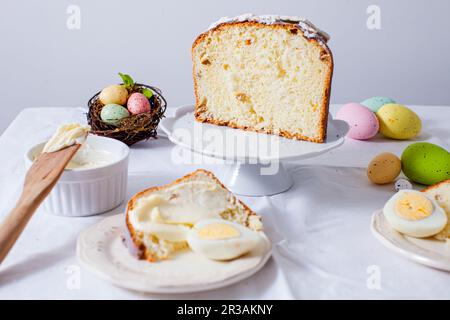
[[441, 193], [158, 219], [269, 74]]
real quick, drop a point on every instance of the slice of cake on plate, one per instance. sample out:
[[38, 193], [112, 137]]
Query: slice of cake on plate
[[159, 220], [269, 74], [441, 193]]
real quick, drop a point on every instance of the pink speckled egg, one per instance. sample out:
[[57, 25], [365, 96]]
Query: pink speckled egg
[[138, 103], [362, 121]]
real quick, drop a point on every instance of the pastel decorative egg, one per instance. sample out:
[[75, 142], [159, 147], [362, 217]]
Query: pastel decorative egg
[[114, 94], [375, 103], [426, 163], [113, 113], [398, 122], [384, 168], [138, 103], [362, 121]]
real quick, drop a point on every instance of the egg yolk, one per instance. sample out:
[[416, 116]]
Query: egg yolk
[[413, 207], [217, 231]]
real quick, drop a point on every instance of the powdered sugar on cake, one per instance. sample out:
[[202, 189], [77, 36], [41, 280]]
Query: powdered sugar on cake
[[310, 31]]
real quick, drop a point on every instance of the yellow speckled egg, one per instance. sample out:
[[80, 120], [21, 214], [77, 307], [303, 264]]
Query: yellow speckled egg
[[398, 122], [384, 168], [115, 93]]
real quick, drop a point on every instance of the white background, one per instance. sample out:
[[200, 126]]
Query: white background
[[43, 63]]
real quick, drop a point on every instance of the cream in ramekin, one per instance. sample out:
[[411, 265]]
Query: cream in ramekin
[[89, 187]]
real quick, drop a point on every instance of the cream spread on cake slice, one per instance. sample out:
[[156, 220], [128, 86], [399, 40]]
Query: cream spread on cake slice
[[65, 136], [185, 203], [163, 217], [167, 215]]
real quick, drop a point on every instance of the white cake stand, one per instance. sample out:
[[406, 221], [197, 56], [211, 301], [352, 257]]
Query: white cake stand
[[253, 165]]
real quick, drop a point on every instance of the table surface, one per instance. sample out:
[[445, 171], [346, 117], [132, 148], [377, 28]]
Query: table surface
[[320, 228]]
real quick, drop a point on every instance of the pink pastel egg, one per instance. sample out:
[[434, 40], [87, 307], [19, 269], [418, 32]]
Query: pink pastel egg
[[362, 121], [138, 103]]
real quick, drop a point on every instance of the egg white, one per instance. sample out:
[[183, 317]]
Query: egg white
[[422, 228], [223, 249]]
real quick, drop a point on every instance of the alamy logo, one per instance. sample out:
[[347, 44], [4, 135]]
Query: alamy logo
[[73, 281], [373, 281], [229, 145], [374, 18], [74, 19]]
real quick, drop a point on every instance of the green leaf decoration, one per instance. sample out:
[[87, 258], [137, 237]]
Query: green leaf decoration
[[127, 80], [148, 93]]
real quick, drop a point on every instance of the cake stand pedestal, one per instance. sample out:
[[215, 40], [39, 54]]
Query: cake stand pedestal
[[246, 179], [253, 161]]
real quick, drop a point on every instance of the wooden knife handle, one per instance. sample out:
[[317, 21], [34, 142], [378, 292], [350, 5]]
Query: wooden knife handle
[[13, 225], [39, 181]]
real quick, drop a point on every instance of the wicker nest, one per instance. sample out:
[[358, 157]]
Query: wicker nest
[[134, 128]]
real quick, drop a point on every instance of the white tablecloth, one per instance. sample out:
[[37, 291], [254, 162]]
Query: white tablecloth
[[323, 247]]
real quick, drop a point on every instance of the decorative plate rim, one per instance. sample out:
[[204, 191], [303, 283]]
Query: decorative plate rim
[[400, 244], [146, 286]]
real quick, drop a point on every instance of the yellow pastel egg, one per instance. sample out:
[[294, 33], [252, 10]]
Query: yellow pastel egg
[[398, 122], [115, 93]]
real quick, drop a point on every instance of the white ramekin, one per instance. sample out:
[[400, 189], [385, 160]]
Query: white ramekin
[[87, 192]]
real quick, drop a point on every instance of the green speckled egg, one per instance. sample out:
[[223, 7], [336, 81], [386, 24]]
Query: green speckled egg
[[112, 113], [376, 103], [426, 163]]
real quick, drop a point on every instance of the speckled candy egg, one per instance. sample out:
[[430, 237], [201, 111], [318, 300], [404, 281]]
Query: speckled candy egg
[[362, 121], [375, 103], [138, 103], [113, 113], [426, 163], [384, 168], [402, 184], [398, 122], [114, 94]]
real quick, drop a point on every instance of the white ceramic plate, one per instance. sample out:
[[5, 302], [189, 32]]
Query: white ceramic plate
[[430, 252], [235, 144], [100, 249]]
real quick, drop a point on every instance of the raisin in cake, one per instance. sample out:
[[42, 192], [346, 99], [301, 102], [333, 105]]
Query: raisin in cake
[[269, 74], [441, 193], [158, 219]]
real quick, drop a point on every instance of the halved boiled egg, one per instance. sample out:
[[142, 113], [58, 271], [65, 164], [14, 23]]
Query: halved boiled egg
[[414, 214], [219, 239]]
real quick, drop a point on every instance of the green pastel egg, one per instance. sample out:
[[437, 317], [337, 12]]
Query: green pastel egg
[[426, 163], [113, 113], [376, 103]]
